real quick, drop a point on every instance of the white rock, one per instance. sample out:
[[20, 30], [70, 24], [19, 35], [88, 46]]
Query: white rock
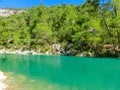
[[2, 79]]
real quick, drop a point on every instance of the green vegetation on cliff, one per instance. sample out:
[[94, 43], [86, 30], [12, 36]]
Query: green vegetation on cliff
[[90, 27]]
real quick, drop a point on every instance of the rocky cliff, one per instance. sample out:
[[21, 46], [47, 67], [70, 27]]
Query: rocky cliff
[[9, 12]]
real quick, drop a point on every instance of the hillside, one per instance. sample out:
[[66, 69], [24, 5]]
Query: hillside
[[89, 29], [5, 12]]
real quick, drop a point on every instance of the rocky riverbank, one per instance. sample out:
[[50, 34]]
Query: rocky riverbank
[[18, 52], [63, 50], [55, 50], [3, 85]]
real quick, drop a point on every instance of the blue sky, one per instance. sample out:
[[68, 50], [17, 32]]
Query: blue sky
[[30, 3]]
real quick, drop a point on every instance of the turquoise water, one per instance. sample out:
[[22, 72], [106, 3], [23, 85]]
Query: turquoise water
[[34, 72]]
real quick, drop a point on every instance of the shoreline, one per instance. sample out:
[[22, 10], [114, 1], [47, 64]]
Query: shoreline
[[32, 52], [3, 51], [28, 52], [3, 77]]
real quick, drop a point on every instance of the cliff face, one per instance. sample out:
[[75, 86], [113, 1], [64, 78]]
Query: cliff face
[[9, 12]]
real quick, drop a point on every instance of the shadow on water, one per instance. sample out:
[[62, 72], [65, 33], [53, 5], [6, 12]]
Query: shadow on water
[[3, 57]]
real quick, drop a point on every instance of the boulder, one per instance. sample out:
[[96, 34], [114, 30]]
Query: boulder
[[48, 53], [10, 41], [86, 54]]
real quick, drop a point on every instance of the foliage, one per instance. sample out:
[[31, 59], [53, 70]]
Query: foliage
[[88, 26]]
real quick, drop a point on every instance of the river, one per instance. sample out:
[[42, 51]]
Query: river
[[40, 72]]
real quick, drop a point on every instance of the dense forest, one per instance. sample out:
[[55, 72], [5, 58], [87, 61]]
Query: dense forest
[[91, 27]]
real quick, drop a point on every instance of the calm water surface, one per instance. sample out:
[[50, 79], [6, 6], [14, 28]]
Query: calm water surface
[[34, 72]]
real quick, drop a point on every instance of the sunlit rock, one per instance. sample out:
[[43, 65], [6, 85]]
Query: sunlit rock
[[2, 79]]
